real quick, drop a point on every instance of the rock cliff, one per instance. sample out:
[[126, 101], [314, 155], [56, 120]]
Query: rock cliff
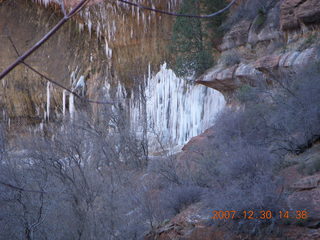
[[281, 39]]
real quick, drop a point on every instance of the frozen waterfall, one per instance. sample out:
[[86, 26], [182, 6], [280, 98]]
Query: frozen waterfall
[[176, 109]]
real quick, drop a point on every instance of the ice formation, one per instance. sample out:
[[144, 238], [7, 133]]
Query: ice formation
[[176, 109], [80, 85], [71, 106], [48, 100]]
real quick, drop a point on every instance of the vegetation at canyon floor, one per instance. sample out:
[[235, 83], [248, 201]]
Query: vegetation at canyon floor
[[80, 180]]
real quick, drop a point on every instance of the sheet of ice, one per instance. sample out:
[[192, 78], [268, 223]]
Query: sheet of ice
[[176, 109]]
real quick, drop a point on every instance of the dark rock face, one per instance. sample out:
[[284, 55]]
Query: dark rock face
[[294, 13]]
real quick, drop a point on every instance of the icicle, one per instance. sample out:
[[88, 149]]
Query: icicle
[[149, 71], [71, 106], [108, 50], [81, 27], [80, 83], [48, 100], [89, 27]]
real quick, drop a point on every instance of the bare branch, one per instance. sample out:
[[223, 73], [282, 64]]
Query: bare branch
[[67, 89], [55, 82], [19, 188], [76, 12], [178, 14], [43, 40]]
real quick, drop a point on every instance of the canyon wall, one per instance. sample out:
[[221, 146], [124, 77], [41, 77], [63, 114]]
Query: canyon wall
[[117, 51], [255, 51], [107, 43]]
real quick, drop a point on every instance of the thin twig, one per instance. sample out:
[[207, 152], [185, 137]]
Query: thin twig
[[19, 188], [63, 87], [178, 14], [43, 40], [80, 8], [55, 82]]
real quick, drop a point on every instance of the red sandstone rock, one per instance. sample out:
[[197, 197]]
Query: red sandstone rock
[[221, 79], [267, 63], [199, 140]]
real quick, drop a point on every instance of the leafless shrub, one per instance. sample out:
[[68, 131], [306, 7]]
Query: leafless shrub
[[231, 58], [174, 199], [71, 183]]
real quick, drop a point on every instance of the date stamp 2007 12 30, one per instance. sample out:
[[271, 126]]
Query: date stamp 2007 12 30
[[263, 214]]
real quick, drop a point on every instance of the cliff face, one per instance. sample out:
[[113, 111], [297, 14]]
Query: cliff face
[[108, 43], [281, 39]]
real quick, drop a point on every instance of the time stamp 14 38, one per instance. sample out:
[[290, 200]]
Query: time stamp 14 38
[[263, 215]]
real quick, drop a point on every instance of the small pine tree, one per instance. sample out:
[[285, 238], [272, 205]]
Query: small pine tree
[[192, 38]]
